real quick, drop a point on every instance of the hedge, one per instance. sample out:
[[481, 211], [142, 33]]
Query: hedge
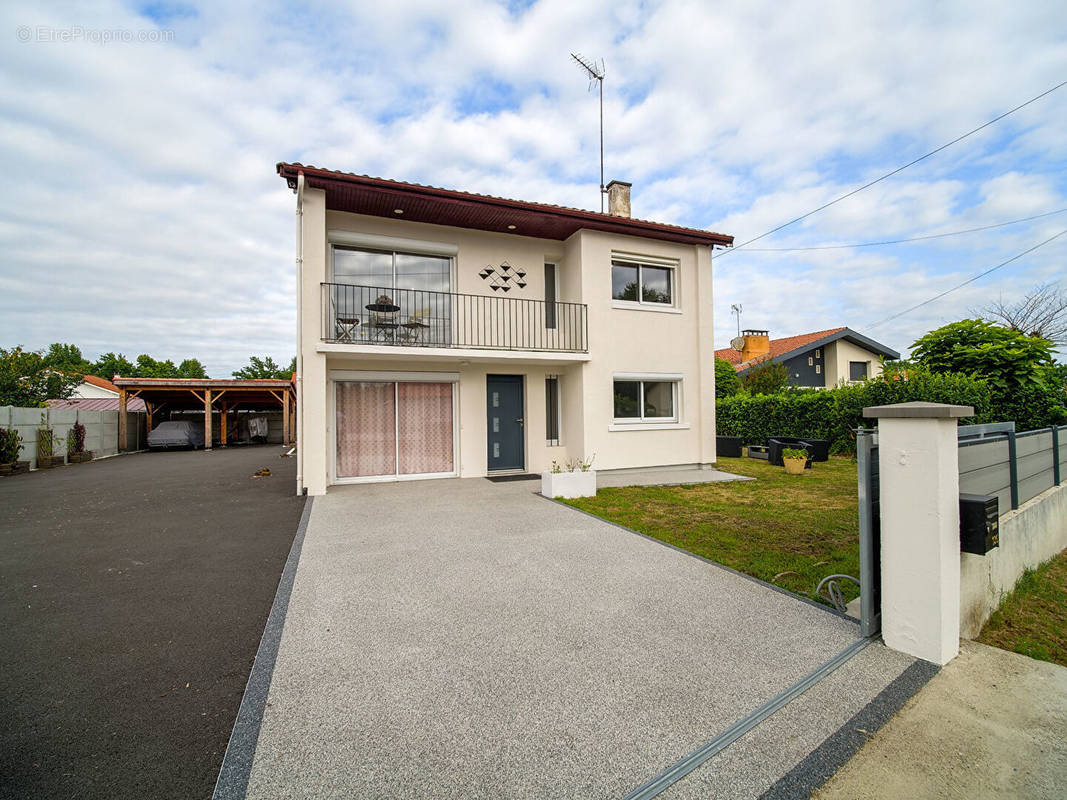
[[835, 414]]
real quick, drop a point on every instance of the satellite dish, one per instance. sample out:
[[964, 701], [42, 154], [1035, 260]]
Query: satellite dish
[[738, 343]]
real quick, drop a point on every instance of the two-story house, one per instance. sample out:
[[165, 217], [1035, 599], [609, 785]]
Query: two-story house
[[443, 333]]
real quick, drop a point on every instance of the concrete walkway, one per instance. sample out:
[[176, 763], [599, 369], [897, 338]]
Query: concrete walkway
[[991, 724], [664, 477], [471, 639]]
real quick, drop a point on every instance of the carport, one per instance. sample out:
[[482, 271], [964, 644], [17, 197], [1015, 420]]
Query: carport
[[211, 395]]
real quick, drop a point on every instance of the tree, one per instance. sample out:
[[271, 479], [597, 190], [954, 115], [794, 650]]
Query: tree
[[726, 381], [26, 381], [66, 358], [109, 365], [1042, 313], [261, 368], [148, 367], [1003, 357], [768, 377], [191, 368]]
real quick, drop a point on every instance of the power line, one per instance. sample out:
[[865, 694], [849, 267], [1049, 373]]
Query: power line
[[902, 241], [969, 280], [898, 169]]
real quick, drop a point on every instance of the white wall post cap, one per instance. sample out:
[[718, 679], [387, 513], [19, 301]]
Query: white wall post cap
[[918, 409]]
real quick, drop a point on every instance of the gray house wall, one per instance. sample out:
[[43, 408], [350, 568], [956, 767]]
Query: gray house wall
[[800, 374]]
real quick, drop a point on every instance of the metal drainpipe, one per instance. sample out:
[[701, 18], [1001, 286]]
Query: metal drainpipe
[[299, 334]]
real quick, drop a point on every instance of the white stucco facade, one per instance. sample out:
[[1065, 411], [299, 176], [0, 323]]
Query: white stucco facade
[[625, 341]]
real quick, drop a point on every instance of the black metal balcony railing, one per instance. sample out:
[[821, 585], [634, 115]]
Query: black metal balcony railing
[[421, 318]]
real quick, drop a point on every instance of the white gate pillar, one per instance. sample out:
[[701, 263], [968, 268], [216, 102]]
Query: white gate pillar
[[919, 488]]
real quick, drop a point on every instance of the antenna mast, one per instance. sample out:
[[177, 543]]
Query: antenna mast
[[736, 309], [595, 70]]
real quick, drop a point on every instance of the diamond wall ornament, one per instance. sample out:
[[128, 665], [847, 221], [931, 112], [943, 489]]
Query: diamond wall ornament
[[500, 278]]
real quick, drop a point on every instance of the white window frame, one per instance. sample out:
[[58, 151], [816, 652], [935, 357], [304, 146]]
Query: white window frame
[[672, 264], [649, 423]]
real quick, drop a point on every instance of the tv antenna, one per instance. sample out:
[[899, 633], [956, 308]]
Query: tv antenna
[[738, 342], [595, 70]]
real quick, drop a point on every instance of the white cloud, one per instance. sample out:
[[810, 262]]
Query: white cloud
[[143, 213]]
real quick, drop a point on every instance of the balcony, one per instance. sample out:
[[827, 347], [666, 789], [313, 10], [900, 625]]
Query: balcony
[[375, 315]]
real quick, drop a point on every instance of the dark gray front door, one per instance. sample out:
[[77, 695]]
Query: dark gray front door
[[505, 423]]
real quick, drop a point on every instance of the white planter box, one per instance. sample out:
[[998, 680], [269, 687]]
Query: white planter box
[[568, 484]]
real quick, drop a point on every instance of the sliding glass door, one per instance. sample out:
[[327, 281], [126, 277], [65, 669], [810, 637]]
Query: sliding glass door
[[394, 428]]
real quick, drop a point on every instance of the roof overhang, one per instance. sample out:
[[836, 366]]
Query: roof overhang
[[361, 194]]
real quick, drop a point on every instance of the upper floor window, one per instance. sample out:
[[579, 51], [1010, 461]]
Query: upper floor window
[[641, 283], [391, 270]]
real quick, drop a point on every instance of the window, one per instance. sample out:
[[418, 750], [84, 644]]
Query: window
[[818, 369], [857, 370], [552, 410], [550, 295], [416, 286], [634, 282], [810, 361], [818, 353], [646, 400]]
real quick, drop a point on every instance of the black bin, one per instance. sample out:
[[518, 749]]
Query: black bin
[[776, 444], [728, 446], [818, 449]]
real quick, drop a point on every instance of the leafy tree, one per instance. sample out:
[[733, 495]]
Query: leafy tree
[[726, 381], [27, 381], [148, 367], [66, 358], [109, 365], [769, 377], [261, 368], [191, 368], [1003, 357]]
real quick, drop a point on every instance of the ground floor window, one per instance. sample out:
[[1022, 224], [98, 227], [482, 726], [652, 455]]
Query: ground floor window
[[552, 410], [646, 400], [857, 370], [393, 428]]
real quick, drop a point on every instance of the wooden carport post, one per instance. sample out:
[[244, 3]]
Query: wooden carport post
[[207, 419], [122, 420], [285, 417], [225, 418]]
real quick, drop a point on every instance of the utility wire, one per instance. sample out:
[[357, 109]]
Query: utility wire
[[898, 169], [969, 280], [902, 241]]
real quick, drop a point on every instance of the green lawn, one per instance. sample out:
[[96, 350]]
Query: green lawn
[[1032, 620], [789, 530]]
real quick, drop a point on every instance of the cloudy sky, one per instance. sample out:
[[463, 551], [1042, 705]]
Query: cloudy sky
[[143, 214]]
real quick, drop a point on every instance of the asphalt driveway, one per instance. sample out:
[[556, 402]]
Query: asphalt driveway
[[469, 639], [133, 594]]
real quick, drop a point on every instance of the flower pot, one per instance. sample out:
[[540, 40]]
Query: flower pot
[[569, 484], [795, 466]]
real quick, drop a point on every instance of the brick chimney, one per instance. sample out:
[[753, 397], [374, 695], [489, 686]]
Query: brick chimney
[[757, 343], [619, 198]]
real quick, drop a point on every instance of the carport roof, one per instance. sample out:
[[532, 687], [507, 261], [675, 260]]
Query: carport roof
[[189, 391]]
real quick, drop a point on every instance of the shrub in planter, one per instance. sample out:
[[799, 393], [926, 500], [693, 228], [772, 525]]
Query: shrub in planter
[[76, 452], [574, 479], [46, 447], [10, 445], [795, 460]]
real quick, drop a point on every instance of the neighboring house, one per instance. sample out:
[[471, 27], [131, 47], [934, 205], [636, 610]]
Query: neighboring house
[[820, 359], [442, 333], [96, 394]]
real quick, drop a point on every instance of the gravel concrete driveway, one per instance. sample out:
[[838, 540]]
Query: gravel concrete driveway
[[469, 639]]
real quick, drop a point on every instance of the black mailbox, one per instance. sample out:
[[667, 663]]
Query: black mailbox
[[979, 523]]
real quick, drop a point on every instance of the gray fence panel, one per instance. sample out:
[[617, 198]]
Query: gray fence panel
[[984, 470], [1063, 453], [1027, 444], [984, 454], [1031, 487]]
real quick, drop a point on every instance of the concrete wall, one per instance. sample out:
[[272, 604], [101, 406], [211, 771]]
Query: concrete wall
[[1029, 536], [101, 429]]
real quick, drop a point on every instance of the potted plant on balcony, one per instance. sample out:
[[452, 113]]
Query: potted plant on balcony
[[576, 478], [795, 459], [10, 447]]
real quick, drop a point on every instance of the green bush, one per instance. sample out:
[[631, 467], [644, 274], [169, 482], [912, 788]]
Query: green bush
[[10, 445], [835, 414], [727, 383]]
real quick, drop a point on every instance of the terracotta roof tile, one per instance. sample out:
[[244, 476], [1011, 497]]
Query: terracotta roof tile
[[779, 347]]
